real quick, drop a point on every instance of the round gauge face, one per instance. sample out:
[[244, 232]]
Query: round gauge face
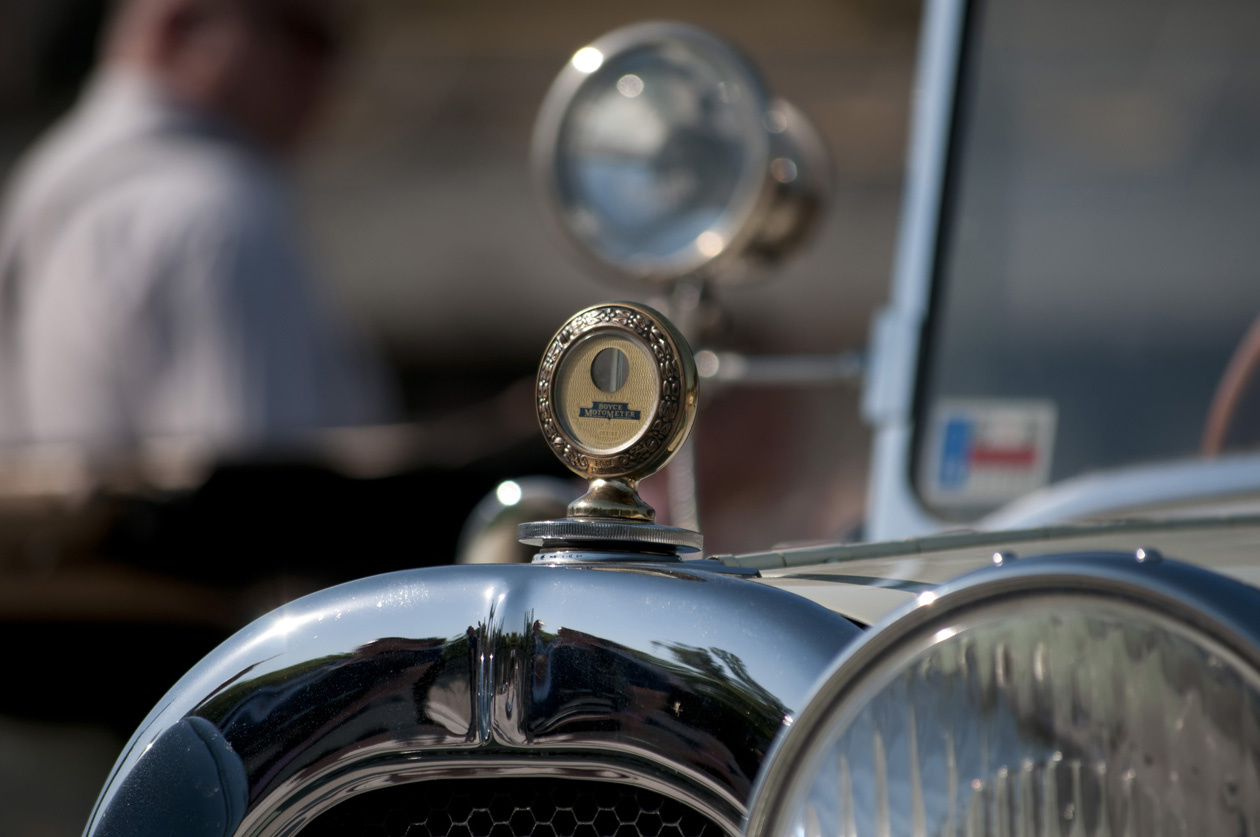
[[606, 392], [616, 391], [661, 157]]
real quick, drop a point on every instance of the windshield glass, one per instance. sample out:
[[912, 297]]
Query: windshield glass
[[1100, 244]]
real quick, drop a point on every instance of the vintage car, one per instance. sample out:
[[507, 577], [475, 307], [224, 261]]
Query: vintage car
[[1091, 668]]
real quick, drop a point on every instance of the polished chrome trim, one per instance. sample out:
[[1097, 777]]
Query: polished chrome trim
[[595, 533], [1218, 607], [677, 677]]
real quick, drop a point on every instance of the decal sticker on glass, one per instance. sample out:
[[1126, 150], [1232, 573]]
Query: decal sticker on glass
[[984, 452]]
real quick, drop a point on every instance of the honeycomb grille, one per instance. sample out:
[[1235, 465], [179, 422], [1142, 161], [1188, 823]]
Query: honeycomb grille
[[511, 807]]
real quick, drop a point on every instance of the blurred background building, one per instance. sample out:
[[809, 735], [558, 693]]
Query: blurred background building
[[418, 198]]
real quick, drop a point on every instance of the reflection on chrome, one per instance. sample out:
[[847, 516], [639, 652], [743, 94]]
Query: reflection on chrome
[[783, 169], [508, 492], [710, 243], [630, 85], [670, 679], [489, 534], [587, 60]]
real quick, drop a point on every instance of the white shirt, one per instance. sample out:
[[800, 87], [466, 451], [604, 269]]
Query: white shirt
[[151, 285]]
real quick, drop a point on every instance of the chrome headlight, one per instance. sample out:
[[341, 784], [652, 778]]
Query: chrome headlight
[[1082, 695], [662, 154]]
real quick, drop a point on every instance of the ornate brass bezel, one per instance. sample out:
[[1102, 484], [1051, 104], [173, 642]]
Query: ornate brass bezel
[[676, 396]]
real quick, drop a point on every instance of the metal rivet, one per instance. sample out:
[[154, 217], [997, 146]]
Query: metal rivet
[[1146, 555], [1001, 558]]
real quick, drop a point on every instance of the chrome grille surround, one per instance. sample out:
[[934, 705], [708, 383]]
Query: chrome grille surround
[[673, 679]]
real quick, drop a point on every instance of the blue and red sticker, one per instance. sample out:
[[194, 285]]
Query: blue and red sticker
[[987, 452]]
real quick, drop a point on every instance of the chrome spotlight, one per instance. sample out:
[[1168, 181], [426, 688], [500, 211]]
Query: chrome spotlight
[[662, 154]]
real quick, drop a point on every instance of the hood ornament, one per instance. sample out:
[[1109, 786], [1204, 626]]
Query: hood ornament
[[616, 398]]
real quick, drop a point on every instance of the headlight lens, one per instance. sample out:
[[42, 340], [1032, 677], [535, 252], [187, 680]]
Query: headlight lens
[[1029, 710], [658, 146], [662, 154]]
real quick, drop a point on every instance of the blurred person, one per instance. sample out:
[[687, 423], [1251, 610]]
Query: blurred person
[[152, 283]]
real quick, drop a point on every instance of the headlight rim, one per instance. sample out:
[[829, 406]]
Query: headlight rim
[[1199, 599]]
